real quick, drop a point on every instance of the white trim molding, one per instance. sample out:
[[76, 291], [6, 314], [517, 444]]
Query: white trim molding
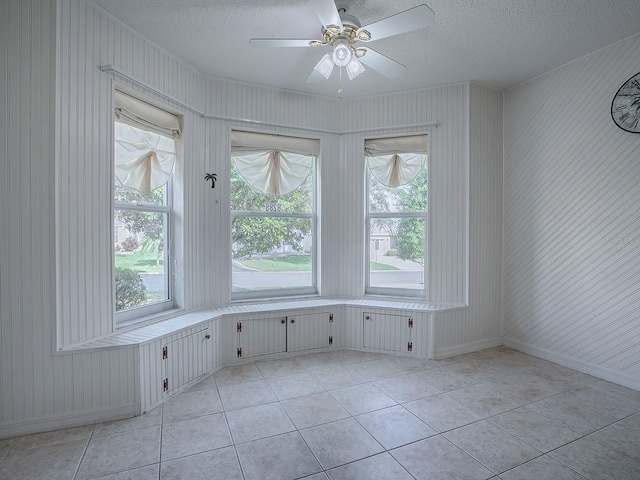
[[565, 361]]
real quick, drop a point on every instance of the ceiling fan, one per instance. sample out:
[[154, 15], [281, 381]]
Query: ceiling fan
[[343, 32]]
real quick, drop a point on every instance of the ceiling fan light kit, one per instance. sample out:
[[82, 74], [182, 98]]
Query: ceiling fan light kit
[[325, 66], [342, 30], [341, 54], [354, 68]]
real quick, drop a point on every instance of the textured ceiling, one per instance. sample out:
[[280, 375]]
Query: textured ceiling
[[495, 42]]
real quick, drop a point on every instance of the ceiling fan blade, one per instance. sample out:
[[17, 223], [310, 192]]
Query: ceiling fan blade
[[315, 77], [412, 19], [382, 64], [327, 12], [279, 42]]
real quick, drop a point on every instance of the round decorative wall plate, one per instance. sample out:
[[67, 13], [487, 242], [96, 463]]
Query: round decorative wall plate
[[625, 107]]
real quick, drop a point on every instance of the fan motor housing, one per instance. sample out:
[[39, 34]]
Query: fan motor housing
[[349, 33], [350, 20]]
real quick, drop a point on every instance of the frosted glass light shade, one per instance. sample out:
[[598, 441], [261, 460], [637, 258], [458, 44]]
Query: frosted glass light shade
[[325, 66], [342, 55], [354, 68]]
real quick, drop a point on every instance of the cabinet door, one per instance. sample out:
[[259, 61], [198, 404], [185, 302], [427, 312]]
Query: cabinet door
[[387, 332], [261, 336], [305, 332], [185, 359]]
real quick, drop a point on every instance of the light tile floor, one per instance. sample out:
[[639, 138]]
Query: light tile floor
[[353, 415]]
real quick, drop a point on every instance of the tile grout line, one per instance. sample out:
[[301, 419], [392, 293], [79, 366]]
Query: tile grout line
[[544, 455], [297, 429], [308, 369], [84, 452], [10, 449], [226, 421], [351, 416], [161, 438]]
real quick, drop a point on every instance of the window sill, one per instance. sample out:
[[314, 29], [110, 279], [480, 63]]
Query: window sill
[[144, 320], [269, 300], [409, 303]]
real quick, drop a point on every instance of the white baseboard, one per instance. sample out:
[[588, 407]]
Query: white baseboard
[[47, 424], [439, 353], [565, 361]]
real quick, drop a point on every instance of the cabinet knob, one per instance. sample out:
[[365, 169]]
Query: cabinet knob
[[367, 317], [293, 320], [283, 321], [207, 336]]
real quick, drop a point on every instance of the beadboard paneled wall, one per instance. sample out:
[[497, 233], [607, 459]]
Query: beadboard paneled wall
[[212, 241], [465, 194], [39, 390], [480, 325], [89, 38], [448, 182], [572, 218], [235, 100], [55, 260], [203, 218]]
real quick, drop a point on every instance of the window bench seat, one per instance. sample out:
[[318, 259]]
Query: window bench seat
[[171, 354], [186, 320]]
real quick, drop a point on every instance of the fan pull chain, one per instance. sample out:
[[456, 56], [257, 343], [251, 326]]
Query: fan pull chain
[[340, 90]]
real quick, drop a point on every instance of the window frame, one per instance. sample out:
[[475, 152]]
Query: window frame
[[405, 293], [282, 293], [140, 314], [126, 317]]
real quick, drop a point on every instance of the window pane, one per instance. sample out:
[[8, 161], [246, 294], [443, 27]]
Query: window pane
[[246, 199], [271, 253], [141, 266], [396, 251], [129, 195], [408, 198]]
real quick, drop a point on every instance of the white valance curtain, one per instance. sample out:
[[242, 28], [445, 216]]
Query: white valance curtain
[[273, 164], [145, 143], [396, 161], [139, 114]]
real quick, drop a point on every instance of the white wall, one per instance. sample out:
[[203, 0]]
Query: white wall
[[480, 325], [55, 208], [465, 193], [572, 217], [448, 189], [87, 39], [305, 116], [40, 390]]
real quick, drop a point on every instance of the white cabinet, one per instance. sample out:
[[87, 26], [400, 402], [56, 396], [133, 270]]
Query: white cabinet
[[285, 333], [305, 332], [261, 336], [184, 359], [169, 363], [387, 332]]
